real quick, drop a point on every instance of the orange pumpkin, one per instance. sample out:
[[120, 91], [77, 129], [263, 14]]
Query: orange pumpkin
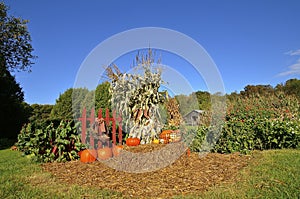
[[132, 141], [88, 155], [117, 149], [165, 134], [104, 153]]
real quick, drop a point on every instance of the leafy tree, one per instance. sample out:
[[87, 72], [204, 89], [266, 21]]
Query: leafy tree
[[14, 112], [40, 114], [15, 55], [103, 96], [15, 42], [69, 104], [187, 103], [257, 90], [89, 101], [204, 100], [291, 87]]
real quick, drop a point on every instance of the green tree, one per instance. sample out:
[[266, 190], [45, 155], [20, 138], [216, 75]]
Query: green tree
[[69, 104], [187, 103], [15, 55], [103, 96], [89, 101], [292, 87], [257, 90], [15, 42], [40, 114], [204, 100]]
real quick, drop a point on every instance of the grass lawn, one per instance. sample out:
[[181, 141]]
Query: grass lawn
[[271, 174]]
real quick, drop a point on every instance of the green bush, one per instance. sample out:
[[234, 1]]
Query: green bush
[[61, 143], [256, 122]]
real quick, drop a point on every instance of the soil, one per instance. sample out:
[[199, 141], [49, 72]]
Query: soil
[[168, 171]]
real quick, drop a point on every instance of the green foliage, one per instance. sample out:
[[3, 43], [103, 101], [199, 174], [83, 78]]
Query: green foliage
[[103, 96], [258, 122], [14, 112], [198, 136], [250, 90], [15, 42], [69, 104], [291, 87], [204, 100], [89, 101], [40, 115], [187, 103], [15, 55], [60, 143]]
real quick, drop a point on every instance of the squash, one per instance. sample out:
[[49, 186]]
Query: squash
[[132, 141], [155, 141], [116, 150], [104, 153], [165, 134], [88, 155]]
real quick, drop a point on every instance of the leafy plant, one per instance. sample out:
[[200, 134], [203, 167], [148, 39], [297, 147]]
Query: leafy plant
[[257, 122], [59, 144]]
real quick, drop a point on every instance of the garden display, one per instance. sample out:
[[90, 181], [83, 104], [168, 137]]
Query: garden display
[[131, 144]]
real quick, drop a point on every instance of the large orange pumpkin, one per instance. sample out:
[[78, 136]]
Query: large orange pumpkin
[[132, 141], [88, 155], [104, 153], [117, 149]]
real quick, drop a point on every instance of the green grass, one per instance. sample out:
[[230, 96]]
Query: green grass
[[21, 178], [271, 174]]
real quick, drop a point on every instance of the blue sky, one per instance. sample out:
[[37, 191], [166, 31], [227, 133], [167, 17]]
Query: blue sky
[[251, 42]]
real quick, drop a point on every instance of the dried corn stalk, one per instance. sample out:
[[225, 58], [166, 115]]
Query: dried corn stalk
[[174, 116], [136, 97]]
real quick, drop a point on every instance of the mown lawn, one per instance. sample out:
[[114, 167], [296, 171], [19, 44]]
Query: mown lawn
[[271, 174]]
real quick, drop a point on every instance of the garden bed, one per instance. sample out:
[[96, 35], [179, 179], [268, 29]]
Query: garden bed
[[187, 175]]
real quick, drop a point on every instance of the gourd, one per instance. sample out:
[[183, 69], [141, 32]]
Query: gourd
[[104, 153], [132, 141], [165, 135], [88, 155], [155, 141], [116, 150]]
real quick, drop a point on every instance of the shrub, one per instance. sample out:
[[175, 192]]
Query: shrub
[[60, 143], [257, 122]]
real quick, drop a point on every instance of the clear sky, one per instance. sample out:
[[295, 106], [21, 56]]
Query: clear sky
[[251, 42]]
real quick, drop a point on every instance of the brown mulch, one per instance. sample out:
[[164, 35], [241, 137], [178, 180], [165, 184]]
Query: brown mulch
[[127, 174]]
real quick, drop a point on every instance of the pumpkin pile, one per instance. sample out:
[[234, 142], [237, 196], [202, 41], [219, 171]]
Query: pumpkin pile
[[91, 155], [168, 136]]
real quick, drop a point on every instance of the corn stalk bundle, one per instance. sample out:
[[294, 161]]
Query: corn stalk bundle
[[137, 98], [174, 116]]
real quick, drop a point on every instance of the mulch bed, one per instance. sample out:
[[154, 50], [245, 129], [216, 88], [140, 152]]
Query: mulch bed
[[126, 174]]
